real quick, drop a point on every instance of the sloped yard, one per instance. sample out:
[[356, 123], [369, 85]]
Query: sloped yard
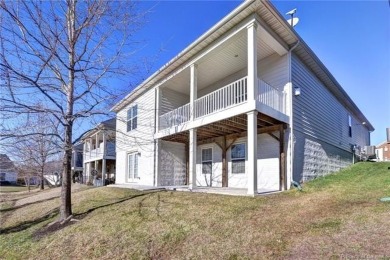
[[338, 216]]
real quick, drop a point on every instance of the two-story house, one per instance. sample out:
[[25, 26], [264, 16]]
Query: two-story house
[[247, 105], [99, 154], [8, 171]]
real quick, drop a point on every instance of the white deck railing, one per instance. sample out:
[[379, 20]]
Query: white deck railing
[[99, 152], [175, 117], [93, 154], [230, 95], [233, 94], [271, 96]]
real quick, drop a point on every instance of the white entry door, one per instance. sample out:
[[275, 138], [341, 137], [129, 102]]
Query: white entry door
[[132, 167]]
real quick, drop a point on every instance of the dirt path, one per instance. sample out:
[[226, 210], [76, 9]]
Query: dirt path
[[45, 195]]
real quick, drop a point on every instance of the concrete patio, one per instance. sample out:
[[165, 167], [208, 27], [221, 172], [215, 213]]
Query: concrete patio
[[212, 190]]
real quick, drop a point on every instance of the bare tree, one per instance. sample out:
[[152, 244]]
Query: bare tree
[[63, 58], [36, 143]]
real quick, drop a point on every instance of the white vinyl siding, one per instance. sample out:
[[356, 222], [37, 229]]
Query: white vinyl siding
[[322, 127], [274, 70], [317, 112], [171, 99], [140, 139]]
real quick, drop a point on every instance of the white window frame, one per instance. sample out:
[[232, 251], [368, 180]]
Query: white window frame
[[207, 161], [132, 118], [349, 126], [133, 166], [238, 159]]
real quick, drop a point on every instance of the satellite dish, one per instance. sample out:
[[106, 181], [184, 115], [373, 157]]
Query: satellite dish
[[295, 21]]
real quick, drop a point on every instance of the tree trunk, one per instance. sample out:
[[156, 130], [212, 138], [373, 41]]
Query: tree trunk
[[28, 183], [42, 181], [66, 202]]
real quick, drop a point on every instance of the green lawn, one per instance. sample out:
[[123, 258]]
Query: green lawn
[[338, 216]]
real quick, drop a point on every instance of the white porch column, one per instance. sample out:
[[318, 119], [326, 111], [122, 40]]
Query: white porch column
[[192, 159], [90, 147], [104, 148], [89, 179], [84, 150], [103, 170], [252, 63], [193, 89], [97, 140], [252, 152], [157, 162]]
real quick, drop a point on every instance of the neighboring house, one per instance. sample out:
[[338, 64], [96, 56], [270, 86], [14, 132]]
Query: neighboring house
[[8, 171], [383, 151], [99, 154], [77, 163], [247, 105]]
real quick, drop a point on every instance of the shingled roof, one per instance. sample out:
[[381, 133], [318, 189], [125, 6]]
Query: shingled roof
[[6, 165]]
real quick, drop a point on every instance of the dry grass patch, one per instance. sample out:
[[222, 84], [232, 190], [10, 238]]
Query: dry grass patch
[[335, 216]]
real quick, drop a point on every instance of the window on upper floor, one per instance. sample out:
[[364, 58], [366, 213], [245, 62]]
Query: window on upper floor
[[349, 126], [132, 114]]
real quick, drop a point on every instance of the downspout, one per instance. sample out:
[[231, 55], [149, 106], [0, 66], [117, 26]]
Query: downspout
[[291, 143]]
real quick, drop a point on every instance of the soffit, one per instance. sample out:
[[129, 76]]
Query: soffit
[[226, 59]]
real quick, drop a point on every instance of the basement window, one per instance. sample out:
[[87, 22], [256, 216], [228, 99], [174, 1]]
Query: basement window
[[207, 161], [238, 158]]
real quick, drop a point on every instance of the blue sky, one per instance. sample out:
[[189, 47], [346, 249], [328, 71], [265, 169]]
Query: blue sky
[[352, 39]]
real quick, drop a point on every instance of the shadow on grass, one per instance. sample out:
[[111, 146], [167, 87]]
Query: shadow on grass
[[31, 203], [27, 204], [27, 224], [48, 229], [82, 215]]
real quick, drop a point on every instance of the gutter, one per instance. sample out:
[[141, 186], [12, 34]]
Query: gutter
[[224, 20]]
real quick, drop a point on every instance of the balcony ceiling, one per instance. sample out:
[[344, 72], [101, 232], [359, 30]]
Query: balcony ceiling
[[227, 127], [228, 58]]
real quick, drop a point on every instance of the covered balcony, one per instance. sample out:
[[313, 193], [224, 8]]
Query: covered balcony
[[246, 70], [100, 152]]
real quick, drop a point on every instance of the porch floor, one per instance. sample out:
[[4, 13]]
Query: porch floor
[[212, 190]]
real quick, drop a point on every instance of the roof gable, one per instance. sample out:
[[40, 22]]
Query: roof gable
[[6, 165]]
